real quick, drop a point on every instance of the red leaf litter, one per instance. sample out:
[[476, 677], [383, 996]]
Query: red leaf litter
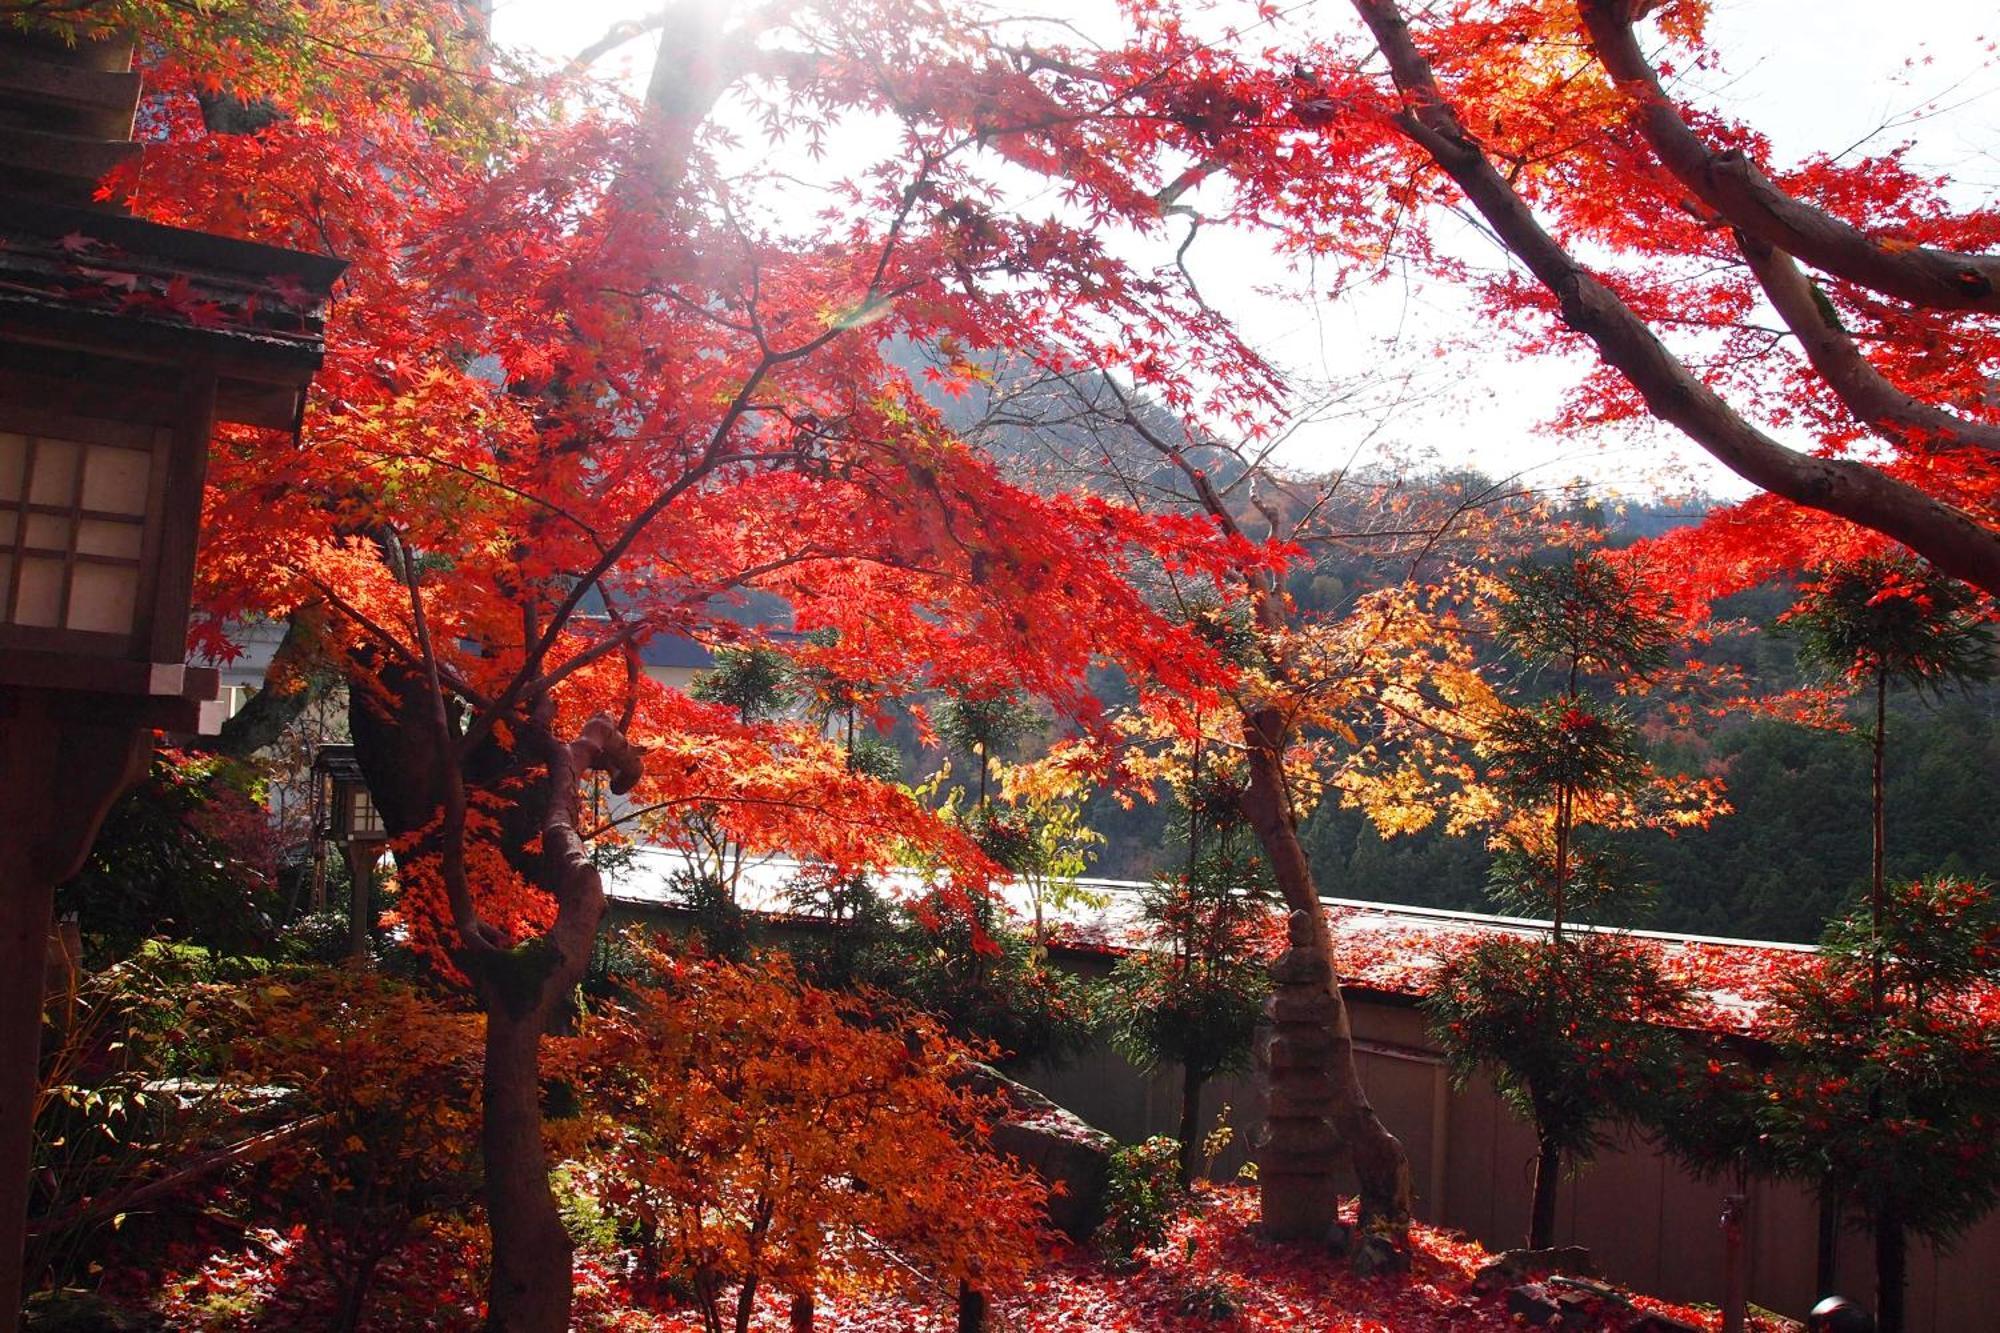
[[1213, 1274]]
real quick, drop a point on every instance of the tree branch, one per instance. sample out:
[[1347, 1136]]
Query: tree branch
[[1731, 184], [1874, 401], [1946, 535]]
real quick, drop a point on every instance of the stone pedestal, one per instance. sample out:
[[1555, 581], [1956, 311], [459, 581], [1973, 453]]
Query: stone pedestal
[[1299, 1148]]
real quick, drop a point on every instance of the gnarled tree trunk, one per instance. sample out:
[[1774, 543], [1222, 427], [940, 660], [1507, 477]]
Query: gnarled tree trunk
[[400, 748], [299, 673], [530, 1287]]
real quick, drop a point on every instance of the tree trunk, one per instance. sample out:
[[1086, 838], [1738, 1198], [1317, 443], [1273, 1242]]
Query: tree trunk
[[1380, 1166], [1878, 901], [1548, 1182], [354, 1296], [530, 1287], [802, 1314], [408, 771], [1735, 1271], [971, 1308], [1559, 899], [298, 673], [1892, 1244], [746, 1304], [1191, 1085], [1826, 1258]]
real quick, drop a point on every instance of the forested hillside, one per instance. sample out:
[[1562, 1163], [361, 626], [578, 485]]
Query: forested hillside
[[1795, 853]]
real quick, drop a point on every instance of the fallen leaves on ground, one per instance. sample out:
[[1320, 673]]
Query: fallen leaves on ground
[[1213, 1274]]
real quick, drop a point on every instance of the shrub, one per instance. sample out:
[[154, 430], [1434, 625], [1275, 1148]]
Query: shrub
[[987, 983], [765, 1132], [383, 1085], [1141, 1197], [115, 1118], [1887, 1090], [1568, 1028], [187, 854]]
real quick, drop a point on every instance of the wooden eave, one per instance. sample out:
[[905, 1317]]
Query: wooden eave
[[85, 281]]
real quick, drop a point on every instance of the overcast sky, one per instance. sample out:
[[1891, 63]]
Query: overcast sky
[[1813, 75]]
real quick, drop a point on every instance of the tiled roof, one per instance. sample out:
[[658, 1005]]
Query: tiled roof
[[1385, 948]]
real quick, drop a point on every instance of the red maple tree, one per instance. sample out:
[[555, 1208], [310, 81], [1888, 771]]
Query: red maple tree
[[1822, 328], [589, 382]]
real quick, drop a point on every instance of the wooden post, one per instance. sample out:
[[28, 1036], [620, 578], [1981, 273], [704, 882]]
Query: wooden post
[[361, 859], [63, 759]]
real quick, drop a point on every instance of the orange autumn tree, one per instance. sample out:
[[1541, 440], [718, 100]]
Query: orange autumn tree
[[766, 1134], [593, 376], [383, 1086]]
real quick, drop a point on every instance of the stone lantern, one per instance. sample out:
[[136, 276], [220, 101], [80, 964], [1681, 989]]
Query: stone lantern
[[344, 816]]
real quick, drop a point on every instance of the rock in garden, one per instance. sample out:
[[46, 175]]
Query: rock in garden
[[1654, 1322], [1532, 1303], [1376, 1255], [1071, 1156], [1511, 1266]]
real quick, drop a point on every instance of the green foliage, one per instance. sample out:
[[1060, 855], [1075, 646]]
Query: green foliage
[[592, 1228], [861, 924], [714, 916], [341, 1104], [316, 937], [1892, 1109], [125, 1096], [1601, 879], [983, 727], [954, 957], [186, 854], [1168, 1010], [875, 758], [1565, 745], [1006, 835], [1570, 765], [1567, 1029], [1194, 998], [1896, 618], [1225, 628], [1585, 614], [757, 682], [1141, 1198]]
